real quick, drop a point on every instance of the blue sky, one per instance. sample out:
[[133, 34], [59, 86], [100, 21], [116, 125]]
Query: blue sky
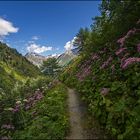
[[45, 24]]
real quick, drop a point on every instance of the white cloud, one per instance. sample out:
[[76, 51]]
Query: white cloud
[[37, 48], [74, 39], [35, 38], [6, 27], [69, 44]]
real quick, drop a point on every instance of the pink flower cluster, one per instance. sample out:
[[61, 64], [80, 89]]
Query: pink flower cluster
[[84, 73], [33, 99], [104, 91], [30, 101], [95, 57], [106, 63], [129, 33], [119, 51], [16, 108], [113, 68], [8, 126], [86, 67], [130, 61], [124, 58], [86, 63], [138, 47]]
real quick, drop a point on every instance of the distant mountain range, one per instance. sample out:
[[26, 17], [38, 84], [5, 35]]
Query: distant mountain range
[[62, 59], [35, 58], [15, 67]]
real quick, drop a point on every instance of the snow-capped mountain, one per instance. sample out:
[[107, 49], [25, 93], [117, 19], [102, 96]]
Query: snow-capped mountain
[[35, 58], [66, 57], [63, 59], [38, 59]]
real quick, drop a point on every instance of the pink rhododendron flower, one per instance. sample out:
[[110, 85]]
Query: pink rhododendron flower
[[8, 126], [130, 61], [94, 57], [84, 73], [106, 63], [113, 68], [16, 108], [129, 33], [27, 107], [121, 41], [119, 51], [38, 95]]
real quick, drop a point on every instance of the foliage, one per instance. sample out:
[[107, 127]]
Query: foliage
[[50, 66], [108, 71], [50, 117], [34, 110]]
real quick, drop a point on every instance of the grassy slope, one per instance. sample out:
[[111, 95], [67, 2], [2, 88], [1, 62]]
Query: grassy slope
[[14, 67]]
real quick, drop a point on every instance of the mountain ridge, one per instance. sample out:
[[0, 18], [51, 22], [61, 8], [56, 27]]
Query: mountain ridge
[[63, 59]]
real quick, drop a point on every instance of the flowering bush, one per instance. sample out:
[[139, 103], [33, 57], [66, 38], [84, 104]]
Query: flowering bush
[[30, 105], [48, 118], [109, 81]]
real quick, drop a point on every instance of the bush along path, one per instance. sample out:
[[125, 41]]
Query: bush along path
[[107, 70], [39, 112], [80, 121]]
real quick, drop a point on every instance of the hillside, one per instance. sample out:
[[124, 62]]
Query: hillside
[[107, 72], [14, 67], [35, 58]]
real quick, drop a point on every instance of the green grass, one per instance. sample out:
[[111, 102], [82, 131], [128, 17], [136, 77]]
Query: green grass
[[9, 70]]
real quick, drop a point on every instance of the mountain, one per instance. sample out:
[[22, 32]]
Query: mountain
[[76, 51], [35, 58], [62, 59], [14, 67], [66, 57]]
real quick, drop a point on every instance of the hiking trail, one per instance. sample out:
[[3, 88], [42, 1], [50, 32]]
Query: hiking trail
[[80, 122]]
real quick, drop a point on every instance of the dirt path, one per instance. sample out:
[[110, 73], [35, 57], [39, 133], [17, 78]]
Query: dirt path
[[81, 126], [75, 112]]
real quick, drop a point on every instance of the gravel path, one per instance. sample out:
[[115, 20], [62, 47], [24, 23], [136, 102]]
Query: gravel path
[[81, 125], [76, 113]]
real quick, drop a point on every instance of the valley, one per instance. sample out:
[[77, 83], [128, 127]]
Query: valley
[[91, 90]]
